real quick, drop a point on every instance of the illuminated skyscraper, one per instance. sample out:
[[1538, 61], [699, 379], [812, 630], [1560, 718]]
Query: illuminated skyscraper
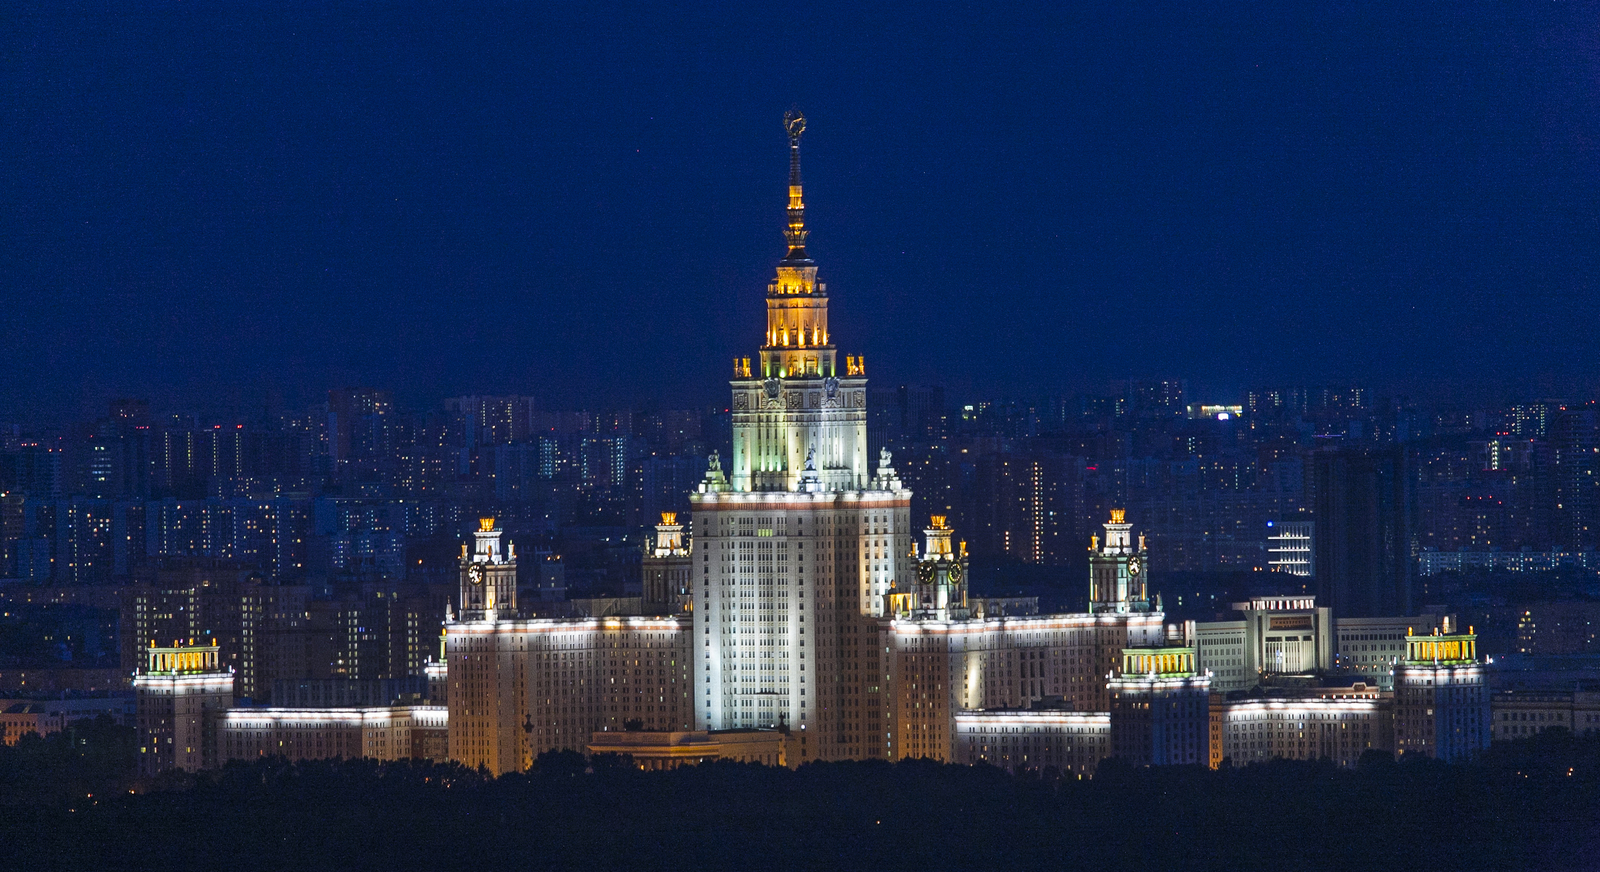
[[796, 546], [796, 600]]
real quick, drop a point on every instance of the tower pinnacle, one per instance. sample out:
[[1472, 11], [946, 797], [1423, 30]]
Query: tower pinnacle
[[794, 124]]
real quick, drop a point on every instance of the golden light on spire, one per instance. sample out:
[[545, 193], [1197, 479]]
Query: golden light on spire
[[939, 521], [1117, 515], [486, 525], [794, 124], [669, 519]]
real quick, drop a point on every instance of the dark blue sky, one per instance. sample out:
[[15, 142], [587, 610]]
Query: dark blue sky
[[214, 200]]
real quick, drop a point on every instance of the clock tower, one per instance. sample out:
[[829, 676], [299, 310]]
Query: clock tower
[[488, 576], [1118, 570], [940, 592]]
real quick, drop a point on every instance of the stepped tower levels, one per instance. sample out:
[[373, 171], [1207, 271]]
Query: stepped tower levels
[[798, 541], [798, 410]]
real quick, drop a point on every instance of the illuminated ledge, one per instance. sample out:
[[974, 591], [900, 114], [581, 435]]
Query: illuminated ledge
[[1023, 623], [194, 681], [571, 625], [1134, 683], [795, 500], [1318, 704], [375, 716], [671, 748], [1024, 717]]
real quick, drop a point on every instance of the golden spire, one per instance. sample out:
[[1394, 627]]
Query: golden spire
[[794, 124]]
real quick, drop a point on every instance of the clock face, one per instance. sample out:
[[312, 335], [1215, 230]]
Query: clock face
[[475, 573], [955, 571], [1133, 566], [925, 572]]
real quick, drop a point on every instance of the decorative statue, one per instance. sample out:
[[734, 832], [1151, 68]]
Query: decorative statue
[[811, 459], [714, 462], [883, 458]]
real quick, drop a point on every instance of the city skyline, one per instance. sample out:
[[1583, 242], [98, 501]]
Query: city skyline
[[1166, 437], [1016, 210]]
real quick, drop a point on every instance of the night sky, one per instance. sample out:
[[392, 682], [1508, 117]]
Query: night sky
[[209, 203]]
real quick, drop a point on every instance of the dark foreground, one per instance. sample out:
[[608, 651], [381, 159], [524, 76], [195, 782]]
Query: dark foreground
[[1526, 805]]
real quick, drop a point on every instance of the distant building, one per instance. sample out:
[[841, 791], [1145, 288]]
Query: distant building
[[1282, 636], [1290, 549], [181, 693], [1519, 714], [666, 570], [1363, 535], [670, 749], [1441, 696], [21, 718], [1040, 738], [1334, 723], [1160, 707], [1433, 562], [1278, 636], [393, 732], [1566, 627], [1369, 648]]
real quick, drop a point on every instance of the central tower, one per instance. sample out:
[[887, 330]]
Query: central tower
[[798, 421], [799, 541]]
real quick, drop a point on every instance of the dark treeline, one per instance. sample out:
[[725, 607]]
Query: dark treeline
[[93, 755], [1525, 805]]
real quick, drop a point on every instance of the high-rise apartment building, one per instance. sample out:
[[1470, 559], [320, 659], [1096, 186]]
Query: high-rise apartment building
[[1364, 531], [1289, 547]]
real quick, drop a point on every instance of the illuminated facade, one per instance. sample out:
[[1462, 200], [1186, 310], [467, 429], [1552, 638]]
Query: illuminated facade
[[1160, 707], [180, 694], [22, 718], [666, 570], [1441, 696], [1338, 724], [400, 732], [798, 543], [671, 749], [1118, 570], [1073, 743], [1279, 635], [942, 670], [1291, 635], [1370, 647], [520, 686], [1289, 547], [794, 599]]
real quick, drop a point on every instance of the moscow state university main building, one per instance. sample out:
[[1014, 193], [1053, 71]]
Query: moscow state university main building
[[800, 598]]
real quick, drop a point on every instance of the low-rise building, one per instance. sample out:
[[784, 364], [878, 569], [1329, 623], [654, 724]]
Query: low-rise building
[[669, 749], [1518, 714], [396, 732], [21, 718], [1040, 738], [1334, 723]]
